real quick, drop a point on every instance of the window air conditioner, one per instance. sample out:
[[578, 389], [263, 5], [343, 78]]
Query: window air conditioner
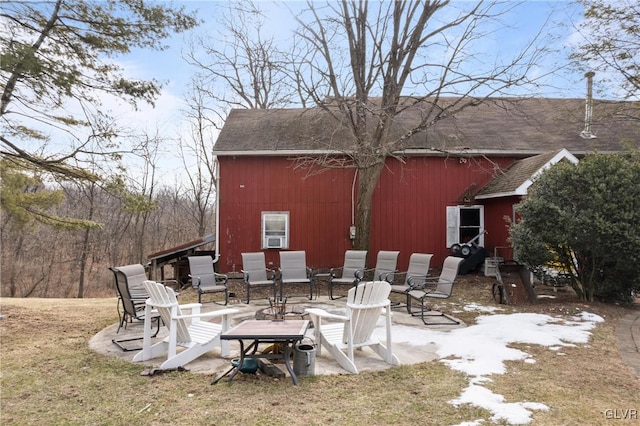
[[275, 242]]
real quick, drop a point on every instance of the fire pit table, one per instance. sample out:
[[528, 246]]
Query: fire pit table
[[283, 332]]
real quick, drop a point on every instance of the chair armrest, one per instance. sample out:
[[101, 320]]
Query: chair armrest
[[356, 306], [333, 271], [417, 278], [359, 273], [190, 306], [212, 314], [170, 282], [419, 282], [271, 274], [221, 277], [195, 281], [324, 314], [385, 276]]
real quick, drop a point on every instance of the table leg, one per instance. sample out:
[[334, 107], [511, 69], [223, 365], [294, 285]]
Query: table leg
[[234, 369], [239, 362], [287, 363], [220, 377]]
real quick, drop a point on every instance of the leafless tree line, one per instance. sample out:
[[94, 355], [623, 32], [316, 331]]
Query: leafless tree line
[[48, 262]]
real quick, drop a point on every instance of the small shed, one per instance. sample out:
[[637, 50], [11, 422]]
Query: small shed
[[176, 257]]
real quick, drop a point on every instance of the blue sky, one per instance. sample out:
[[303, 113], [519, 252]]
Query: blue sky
[[523, 21]]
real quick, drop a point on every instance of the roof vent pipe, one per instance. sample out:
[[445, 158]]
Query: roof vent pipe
[[588, 110]]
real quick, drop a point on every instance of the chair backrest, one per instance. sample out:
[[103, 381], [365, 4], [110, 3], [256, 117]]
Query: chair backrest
[[293, 265], [386, 265], [418, 266], [364, 303], [255, 265], [130, 285], [201, 267], [448, 274], [164, 300], [353, 261]]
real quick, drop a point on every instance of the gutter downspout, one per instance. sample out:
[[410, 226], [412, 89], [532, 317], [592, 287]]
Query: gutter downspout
[[217, 165], [352, 228]]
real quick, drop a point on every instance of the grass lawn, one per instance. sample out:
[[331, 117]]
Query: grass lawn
[[49, 375]]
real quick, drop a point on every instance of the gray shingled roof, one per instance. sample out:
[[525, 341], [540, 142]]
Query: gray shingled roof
[[519, 176], [509, 126]]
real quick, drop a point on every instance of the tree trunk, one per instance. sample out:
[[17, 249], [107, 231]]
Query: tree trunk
[[367, 182], [13, 288], [84, 255], [83, 263]]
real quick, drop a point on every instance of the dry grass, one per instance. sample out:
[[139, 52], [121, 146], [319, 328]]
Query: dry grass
[[50, 374]]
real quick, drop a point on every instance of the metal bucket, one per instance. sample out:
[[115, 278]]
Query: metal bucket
[[304, 359]]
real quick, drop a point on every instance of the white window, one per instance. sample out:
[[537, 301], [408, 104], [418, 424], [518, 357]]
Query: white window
[[275, 230], [464, 223]]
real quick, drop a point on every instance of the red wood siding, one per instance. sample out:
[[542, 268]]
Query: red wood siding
[[496, 211], [409, 207]]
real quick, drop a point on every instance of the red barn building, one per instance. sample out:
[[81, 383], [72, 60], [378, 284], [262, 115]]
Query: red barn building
[[459, 178]]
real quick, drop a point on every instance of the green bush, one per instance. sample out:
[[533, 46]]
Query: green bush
[[586, 218]]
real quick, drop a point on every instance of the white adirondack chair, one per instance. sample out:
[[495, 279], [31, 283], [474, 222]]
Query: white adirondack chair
[[365, 304], [190, 332]]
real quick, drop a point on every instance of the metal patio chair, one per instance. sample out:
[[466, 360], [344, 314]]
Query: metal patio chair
[[424, 288], [354, 260], [205, 279], [132, 295], [256, 274], [385, 269], [418, 268], [294, 271]]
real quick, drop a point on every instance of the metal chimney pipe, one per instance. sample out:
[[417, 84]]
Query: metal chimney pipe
[[588, 111]]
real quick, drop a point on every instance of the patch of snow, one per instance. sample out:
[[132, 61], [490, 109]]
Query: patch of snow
[[473, 423], [482, 349], [515, 413], [474, 307]]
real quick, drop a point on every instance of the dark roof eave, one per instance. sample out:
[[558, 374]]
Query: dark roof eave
[[181, 249], [498, 195], [277, 152], [429, 152]]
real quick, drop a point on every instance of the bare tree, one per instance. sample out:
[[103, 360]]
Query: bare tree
[[197, 159], [366, 63], [611, 42], [245, 70], [239, 67], [45, 261], [89, 192]]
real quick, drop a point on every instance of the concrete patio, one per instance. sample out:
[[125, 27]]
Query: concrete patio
[[213, 364]]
